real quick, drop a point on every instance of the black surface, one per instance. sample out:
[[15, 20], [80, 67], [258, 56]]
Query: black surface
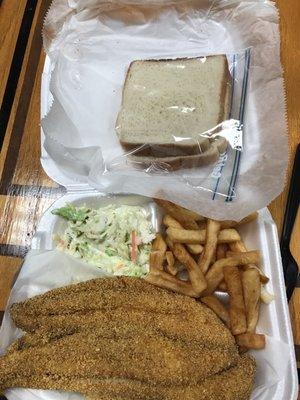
[[11, 250], [34, 191], [290, 267]]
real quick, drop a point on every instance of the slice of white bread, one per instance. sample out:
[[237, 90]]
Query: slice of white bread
[[169, 103], [181, 162]]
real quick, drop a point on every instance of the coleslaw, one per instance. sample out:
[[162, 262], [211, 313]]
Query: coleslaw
[[116, 239]]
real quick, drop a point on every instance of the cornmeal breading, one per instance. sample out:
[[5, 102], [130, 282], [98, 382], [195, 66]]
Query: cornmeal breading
[[122, 338], [99, 294]]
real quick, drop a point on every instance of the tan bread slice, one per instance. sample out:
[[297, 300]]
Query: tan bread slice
[[180, 162], [168, 104]]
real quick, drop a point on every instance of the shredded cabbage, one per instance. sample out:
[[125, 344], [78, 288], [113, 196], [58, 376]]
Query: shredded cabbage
[[116, 239]]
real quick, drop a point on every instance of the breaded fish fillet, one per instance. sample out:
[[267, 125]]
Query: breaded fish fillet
[[126, 322], [234, 383], [145, 358], [124, 339], [100, 294]]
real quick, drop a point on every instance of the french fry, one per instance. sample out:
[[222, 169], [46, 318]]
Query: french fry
[[215, 274], [190, 236], [158, 251], [214, 304], [230, 253], [170, 267], [232, 224], [221, 251], [251, 290], [263, 278], [190, 225], [240, 247], [222, 287], [179, 266], [169, 242], [237, 312], [212, 232], [195, 274], [213, 259], [227, 235], [224, 264], [251, 340], [251, 217], [195, 248], [171, 222], [156, 260], [164, 280], [181, 214], [170, 258], [159, 243], [265, 296]]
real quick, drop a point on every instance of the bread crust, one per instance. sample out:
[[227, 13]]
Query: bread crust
[[182, 162], [168, 150]]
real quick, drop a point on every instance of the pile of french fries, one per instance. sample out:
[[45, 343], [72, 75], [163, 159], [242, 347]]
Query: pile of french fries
[[215, 259]]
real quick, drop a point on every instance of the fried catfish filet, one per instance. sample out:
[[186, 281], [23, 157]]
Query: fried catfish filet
[[122, 338]]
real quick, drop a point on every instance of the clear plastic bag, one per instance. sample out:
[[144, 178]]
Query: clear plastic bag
[[226, 169], [189, 112]]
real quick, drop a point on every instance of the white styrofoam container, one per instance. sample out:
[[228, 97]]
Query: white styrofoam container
[[261, 234]]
